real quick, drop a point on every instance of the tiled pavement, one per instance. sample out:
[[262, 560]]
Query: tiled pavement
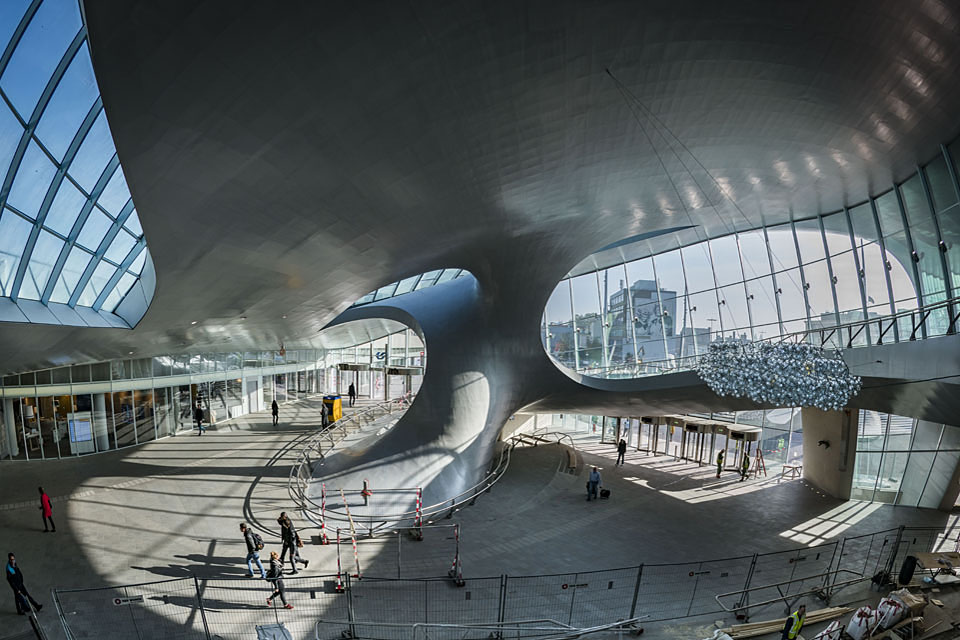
[[171, 508]]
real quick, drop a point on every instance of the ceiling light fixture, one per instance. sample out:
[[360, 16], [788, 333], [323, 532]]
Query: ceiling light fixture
[[193, 322]]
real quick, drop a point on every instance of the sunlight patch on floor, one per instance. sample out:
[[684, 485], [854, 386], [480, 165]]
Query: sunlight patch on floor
[[830, 523]]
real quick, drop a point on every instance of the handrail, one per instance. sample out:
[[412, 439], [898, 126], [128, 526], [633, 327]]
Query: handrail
[[309, 507], [826, 333], [784, 597], [468, 495], [294, 488], [518, 626], [451, 504]]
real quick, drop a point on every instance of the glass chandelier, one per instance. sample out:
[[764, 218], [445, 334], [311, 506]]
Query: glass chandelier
[[781, 375]]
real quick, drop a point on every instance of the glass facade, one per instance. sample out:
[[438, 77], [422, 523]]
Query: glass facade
[[888, 255], [69, 233], [904, 461], [413, 283], [781, 436], [89, 408]]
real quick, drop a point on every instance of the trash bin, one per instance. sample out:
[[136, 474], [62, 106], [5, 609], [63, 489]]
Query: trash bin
[[334, 408]]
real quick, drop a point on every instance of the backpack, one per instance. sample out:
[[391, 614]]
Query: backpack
[[257, 541]]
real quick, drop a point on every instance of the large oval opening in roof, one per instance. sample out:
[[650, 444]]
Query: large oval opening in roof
[[657, 307]]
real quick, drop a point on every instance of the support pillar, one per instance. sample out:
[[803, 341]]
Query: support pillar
[[10, 427], [829, 439], [101, 432]]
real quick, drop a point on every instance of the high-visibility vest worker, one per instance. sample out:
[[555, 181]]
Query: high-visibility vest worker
[[791, 628], [744, 466], [719, 462]]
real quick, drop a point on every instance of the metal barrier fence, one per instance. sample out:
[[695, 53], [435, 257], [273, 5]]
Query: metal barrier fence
[[759, 585]]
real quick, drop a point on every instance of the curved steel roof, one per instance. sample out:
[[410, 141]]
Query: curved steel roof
[[287, 163]]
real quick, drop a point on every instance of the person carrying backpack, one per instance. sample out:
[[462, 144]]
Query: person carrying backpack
[[254, 544]]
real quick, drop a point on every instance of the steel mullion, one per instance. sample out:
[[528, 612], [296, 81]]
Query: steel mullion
[[861, 281], [932, 464], [830, 274], [18, 33], [663, 329], [886, 269], [773, 279], [98, 256], [746, 292], [914, 266], [15, 165], [941, 245], [115, 278], [803, 276], [65, 166], [628, 312]]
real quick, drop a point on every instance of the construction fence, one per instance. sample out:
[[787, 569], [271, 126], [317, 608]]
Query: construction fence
[[759, 585]]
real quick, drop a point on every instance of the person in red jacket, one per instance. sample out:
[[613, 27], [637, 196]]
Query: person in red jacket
[[47, 510]]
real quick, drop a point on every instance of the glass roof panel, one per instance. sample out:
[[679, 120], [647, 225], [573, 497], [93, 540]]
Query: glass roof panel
[[10, 133], [94, 229], [120, 247], [137, 265], [93, 155], [49, 77], [38, 53], [32, 181], [65, 208], [44, 257], [116, 295], [98, 281], [72, 99], [14, 232], [11, 12], [76, 262], [115, 194], [133, 224]]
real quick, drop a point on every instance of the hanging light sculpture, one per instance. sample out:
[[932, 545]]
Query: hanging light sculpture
[[781, 375]]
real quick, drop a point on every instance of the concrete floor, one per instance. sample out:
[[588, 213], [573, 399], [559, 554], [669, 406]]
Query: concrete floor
[[171, 509]]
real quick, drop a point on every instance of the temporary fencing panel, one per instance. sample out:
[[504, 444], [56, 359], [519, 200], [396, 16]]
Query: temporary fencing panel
[[167, 609], [194, 609]]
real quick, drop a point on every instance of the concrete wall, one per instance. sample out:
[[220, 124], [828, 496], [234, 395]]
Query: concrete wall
[[829, 468]]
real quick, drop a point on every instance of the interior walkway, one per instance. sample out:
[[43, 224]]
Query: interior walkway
[[171, 508]]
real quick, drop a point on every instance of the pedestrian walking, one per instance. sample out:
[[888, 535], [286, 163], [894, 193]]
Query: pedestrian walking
[[352, 393], [20, 593], [593, 483], [254, 544], [275, 410], [291, 540], [719, 462], [47, 511], [275, 577], [621, 450], [198, 416], [323, 414], [745, 466]]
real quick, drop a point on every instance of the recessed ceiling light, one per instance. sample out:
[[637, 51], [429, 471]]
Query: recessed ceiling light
[[194, 322], [243, 317], [284, 317], [130, 353]]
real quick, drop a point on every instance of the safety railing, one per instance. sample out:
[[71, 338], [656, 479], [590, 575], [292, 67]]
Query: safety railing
[[320, 514], [328, 437], [324, 517], [542, 629], [928, 321], [752, 586]]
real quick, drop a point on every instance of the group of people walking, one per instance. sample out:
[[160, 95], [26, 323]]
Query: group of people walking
[[291, 542]]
